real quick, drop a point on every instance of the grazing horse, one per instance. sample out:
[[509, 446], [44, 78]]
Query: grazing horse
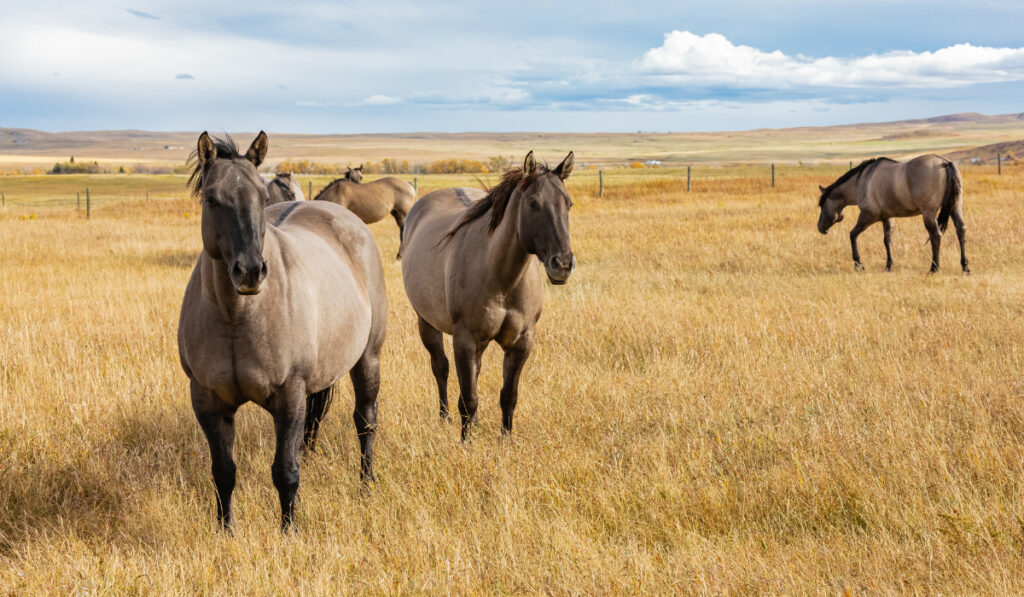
[[470, 271], [883, 189], [282, 303], [372, 201], [283, 188]]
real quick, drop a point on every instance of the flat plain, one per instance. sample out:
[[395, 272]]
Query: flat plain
[[717, 403]]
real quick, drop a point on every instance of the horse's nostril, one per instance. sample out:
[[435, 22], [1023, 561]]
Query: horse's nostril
[[236, 270], [263, 270]]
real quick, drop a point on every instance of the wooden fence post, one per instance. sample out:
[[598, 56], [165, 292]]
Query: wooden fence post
[[851, 164], [416, 187], [600, 183], [999, 163], [88, 204], [687, 179], [773, 175]]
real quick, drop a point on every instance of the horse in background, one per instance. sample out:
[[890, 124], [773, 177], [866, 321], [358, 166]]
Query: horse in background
[[929, 186], [372, 201]]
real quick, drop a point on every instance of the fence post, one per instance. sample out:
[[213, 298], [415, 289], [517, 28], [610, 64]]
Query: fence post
[[999, 163], [310, 195], [600, 183], [3, 200], [773, 175], [416, 187], [687, 179], [851, 164], [88, 204]]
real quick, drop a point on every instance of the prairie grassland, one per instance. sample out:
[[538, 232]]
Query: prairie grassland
[[717, 403]]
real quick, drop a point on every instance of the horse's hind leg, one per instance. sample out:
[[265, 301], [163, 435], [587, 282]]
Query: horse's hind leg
[[515, 358], [400, 220], [317, 404], [961, 235], [289, 422], [932, 225], [433, 340], [218, 423], [887, 237], [366, 383]]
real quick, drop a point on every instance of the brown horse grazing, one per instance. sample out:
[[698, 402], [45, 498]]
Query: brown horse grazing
[[372, 201], [469, 272], [283, 188], [928, 185], [281, 304]]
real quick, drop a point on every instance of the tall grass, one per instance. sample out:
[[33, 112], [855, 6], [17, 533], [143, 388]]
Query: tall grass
[[716, 403]]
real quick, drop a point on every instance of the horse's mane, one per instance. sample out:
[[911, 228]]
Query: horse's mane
[[286, 188], [329, 185], [226, 148], [496, 200], [861, 167]]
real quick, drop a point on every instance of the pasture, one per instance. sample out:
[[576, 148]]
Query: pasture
[[716, 403]]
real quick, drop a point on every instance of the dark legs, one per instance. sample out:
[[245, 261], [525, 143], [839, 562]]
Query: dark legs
[[887, 236], [961, 235], [218, 423], [936, 237], [289, 422], [316, 408], [400, 220], [515, 358], [467, 367], [434, 342], [366, 383], [863, 221]]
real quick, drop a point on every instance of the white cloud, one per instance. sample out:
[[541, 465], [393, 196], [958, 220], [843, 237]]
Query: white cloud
[[714, 60], [381, 100]]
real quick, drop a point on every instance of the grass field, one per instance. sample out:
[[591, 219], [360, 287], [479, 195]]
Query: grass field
[[717, 403]]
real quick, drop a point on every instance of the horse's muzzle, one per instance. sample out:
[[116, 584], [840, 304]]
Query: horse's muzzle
[[559, 269], [247, 276]]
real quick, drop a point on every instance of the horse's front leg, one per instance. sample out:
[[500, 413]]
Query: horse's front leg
[[217, 420], [468, 351], [366, 383], [289, 422], [863, 221], [515, 358]]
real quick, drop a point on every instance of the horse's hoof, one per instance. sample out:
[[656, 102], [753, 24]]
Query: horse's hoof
[[858, 266], [967, 272]]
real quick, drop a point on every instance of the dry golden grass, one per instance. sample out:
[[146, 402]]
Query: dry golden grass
[[717, 403]]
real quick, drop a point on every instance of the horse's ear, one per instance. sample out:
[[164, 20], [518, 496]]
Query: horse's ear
[[529, 164], [360, 168], [258, 149], [821, 188], [565, 168], [206, 151]]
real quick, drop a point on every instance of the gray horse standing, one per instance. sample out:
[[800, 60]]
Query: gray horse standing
[[883, 189]]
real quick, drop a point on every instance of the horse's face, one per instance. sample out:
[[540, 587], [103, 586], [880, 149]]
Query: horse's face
[[355, 175], [544, 219], [233, 224], [831, 209]]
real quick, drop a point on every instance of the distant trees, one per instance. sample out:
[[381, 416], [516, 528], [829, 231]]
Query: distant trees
[[73, 167], [396, 166]]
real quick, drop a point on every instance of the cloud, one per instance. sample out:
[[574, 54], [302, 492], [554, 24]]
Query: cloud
[[713, 60], [381, 100], [184, 76], [141, 15]]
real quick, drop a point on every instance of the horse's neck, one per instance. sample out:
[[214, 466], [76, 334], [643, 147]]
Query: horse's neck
[[218, 288], [850, 189], [506, 258]]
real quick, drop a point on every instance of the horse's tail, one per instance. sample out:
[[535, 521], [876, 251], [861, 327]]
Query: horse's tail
[[317, 404], [954, 186]]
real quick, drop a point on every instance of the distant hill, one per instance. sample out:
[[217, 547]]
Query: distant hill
[[986, 154], [952, 134]]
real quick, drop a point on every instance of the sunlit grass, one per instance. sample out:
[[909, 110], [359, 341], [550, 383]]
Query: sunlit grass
[[716, 403]]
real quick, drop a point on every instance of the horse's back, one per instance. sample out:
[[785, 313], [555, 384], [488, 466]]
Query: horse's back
[[425, 257], [899, 189]]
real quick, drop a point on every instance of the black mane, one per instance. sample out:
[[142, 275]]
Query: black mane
[[286, 189], [861, 167], [496, 200], [226, 149]]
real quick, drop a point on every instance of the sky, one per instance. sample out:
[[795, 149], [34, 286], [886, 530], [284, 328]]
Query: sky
[[378, 67]]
